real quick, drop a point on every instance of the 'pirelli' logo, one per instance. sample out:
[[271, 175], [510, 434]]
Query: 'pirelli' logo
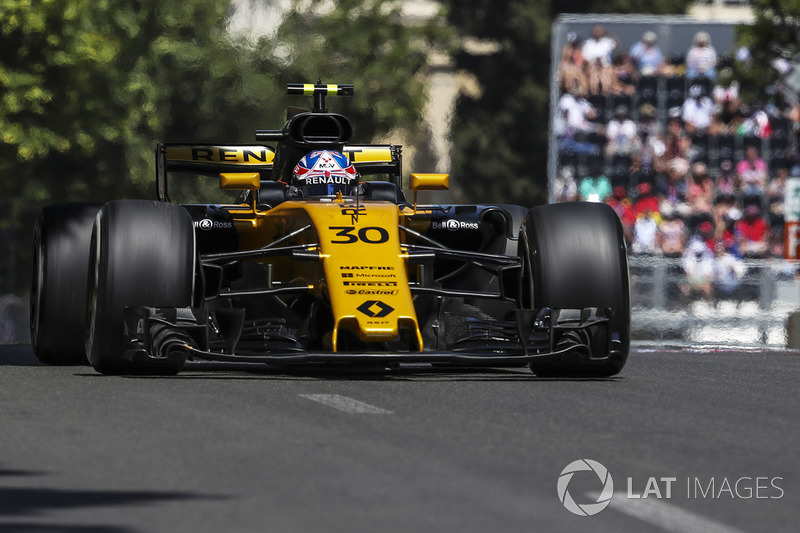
[[370, 283], [237, 155]]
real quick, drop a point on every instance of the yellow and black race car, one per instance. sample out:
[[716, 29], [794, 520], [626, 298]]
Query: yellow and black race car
[[322, 259]]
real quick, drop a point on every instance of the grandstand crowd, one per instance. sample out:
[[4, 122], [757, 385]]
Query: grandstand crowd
[[692, 170]]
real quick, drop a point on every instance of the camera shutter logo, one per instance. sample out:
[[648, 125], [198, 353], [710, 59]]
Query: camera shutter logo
[[587, 509]]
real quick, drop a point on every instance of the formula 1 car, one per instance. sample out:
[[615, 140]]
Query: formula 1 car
[[288, 275]]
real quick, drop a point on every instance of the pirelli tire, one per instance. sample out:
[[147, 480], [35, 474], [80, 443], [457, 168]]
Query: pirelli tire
[[142, 254], [576, 259], [60, 260]]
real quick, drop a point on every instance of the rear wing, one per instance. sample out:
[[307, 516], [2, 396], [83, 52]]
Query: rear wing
[[212, 159]]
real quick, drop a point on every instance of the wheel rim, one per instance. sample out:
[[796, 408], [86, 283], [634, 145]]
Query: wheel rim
[[526, 275], [36, 287], [92, 288]]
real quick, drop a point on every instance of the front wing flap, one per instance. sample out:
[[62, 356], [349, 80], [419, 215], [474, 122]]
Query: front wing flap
[[546, 335]]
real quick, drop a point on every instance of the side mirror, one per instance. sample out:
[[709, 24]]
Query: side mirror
[[240, 181], [429, 182]]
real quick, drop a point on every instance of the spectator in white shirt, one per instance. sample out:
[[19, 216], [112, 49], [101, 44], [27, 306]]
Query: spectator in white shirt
[[697, 111], [622, 134], [574, 113], [597, 52], [701, 59]]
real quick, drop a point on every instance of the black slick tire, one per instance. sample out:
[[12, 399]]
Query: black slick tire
[[577, 259], [142, 254], [60, 260]]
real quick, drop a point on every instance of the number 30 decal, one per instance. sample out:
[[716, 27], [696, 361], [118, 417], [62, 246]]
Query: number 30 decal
[[368, 234]]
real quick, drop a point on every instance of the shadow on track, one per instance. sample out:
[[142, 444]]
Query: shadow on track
[[22, 355], [17, 355], [19, 503], [417, 373]]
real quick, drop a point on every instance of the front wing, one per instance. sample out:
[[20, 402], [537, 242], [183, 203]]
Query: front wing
[[546, 335]]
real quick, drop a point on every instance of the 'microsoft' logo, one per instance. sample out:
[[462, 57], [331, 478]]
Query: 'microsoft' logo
[[586, 509]]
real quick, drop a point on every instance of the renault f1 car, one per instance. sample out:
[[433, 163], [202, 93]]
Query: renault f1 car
[[365, 276]]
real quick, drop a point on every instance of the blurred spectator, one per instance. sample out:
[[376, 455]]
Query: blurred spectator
[[625, 75], [673, 187], [675, 65], [726, 214], [677, 145], [638, 173], [752, 171], [595, 187], [727, 180], [622, 134], [646, 200], [698, 265], [672, 232], [622, 206], [574, 113], [576, 142], [647, 121], [653, 146], [597, 51], [705, 232], [776, 247], [700, 191], [675, 122], [776, 195], [566, 187], [645, 232], [754, 121], [570, 69], [647, 55], [726, 101], [697, 111], [752, 233], [728, 271], [701, 59]]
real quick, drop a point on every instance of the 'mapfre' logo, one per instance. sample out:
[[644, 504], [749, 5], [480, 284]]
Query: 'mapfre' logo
[[586, 509]]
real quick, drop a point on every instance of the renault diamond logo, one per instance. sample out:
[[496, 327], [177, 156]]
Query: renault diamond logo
[[375, 308]]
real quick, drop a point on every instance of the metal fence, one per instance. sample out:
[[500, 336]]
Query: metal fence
[[754, 314]]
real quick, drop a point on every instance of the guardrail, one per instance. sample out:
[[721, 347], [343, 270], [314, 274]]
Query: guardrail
[[754, 313]]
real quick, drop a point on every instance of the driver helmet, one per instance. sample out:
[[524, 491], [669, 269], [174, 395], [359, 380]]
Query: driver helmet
[[324, 173]]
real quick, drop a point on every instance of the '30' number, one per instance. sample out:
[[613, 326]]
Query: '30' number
[[368, 234]]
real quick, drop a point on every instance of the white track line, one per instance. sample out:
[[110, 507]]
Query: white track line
[[348, 405], [668, 517]]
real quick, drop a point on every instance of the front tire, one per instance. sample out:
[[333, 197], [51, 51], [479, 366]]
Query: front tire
[[61, 241], [142, 254], [577, 259]]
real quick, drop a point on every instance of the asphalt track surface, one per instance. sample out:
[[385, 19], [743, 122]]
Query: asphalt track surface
[[244, 448]]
